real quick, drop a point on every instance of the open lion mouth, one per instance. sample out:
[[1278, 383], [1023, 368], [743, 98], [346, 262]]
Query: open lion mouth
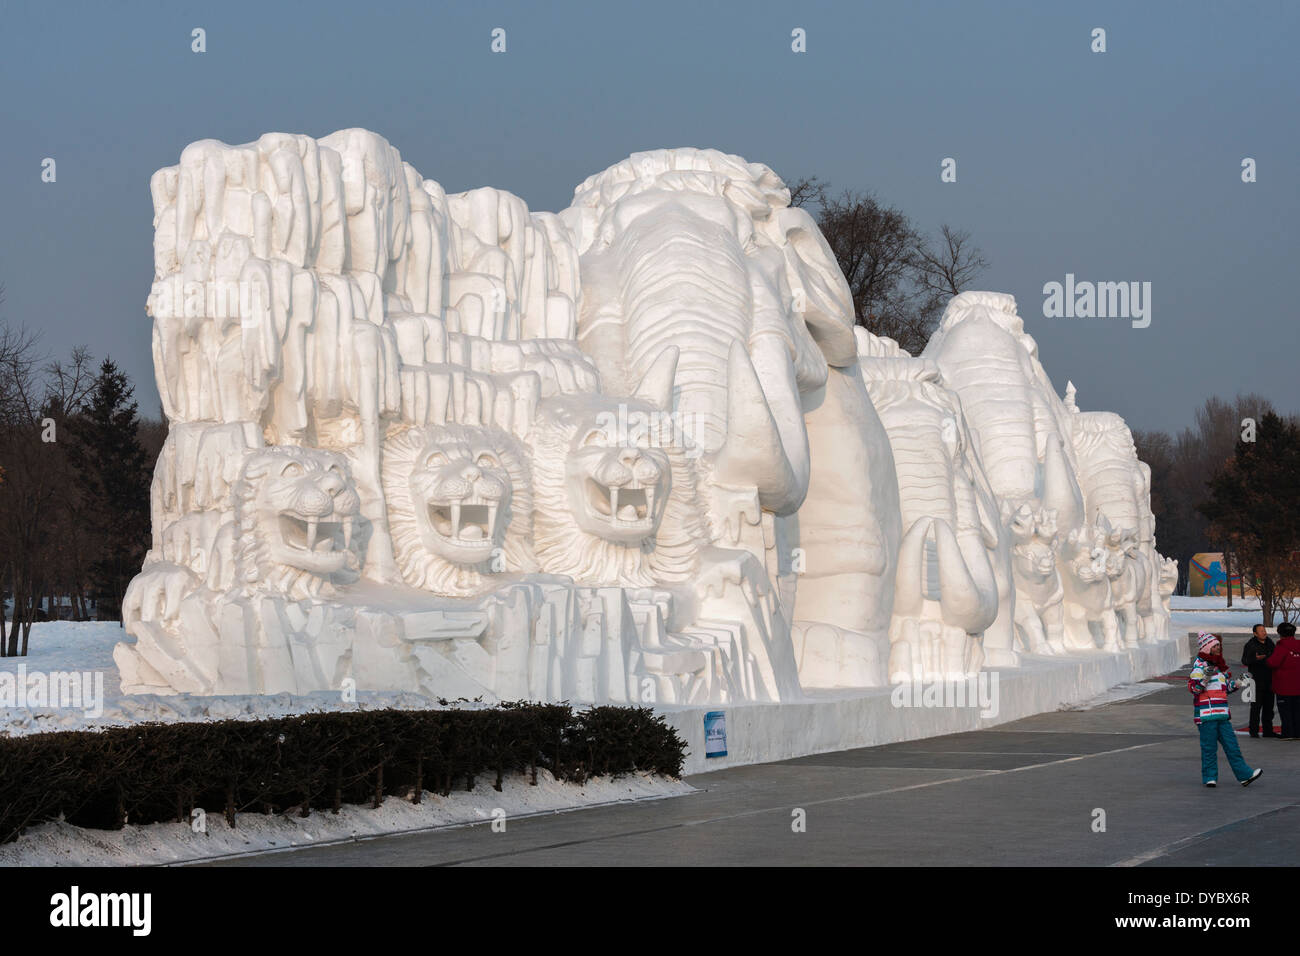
[[628, 506], [315, 545], [313, 535], [468, 522]]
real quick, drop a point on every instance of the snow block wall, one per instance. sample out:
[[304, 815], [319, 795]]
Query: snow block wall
[[632, 452]]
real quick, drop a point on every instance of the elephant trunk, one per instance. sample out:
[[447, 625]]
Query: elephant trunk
[[1060, 492], [686, 283], [967, 603]]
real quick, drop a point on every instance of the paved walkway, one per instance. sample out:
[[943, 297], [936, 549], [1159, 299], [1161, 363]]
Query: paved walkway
[[1024, 793]]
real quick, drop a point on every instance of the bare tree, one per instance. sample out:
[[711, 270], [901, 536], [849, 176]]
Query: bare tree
[[1253, 510], [41, 538], [950, 265], [899, 281], [808, 192], [68, 387], [27, 490]]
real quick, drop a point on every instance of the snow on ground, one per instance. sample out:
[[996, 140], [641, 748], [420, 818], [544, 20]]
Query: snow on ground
[[61, 844], [87, 648], [1249, 602], [1213, 614]]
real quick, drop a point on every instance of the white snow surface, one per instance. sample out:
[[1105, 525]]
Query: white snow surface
[[61, 844], [1213, 614], [1249, 602], [88, 647]]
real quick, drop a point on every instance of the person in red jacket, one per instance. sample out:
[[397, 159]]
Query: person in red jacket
[[1285, 661]]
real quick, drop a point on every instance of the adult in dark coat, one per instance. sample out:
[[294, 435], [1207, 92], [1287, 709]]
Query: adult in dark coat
[[1255, 657]]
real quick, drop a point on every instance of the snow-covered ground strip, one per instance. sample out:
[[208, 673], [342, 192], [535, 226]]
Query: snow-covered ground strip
[[1249, 602], [823, 722], [87, 648], [1213, 614], [61, 844]]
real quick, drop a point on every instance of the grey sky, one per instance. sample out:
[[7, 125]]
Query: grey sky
[[1122, 166]]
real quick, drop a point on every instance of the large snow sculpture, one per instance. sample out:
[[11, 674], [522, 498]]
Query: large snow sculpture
[[702, 251], [1112, 480], [635, 451], [1031, 442], [946, 594]]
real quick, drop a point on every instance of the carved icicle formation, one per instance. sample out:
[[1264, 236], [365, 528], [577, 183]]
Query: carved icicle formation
[[634, 451]]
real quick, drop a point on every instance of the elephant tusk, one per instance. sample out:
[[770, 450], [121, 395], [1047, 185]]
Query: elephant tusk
[[656, 386], [909, 587]]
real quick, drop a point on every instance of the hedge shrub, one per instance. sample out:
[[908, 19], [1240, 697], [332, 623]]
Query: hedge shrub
[[150, 773]]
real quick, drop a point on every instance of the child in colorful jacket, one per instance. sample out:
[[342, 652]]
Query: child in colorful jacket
[[1211, 682]]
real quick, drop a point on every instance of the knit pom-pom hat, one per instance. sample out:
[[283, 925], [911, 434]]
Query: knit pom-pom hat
[[1206, 641]]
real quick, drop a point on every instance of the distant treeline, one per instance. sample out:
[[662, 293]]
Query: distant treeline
[[76, 461], [1225, 435]]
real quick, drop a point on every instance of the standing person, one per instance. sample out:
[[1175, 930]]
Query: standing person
[[1211, 683], [1285, 661], [1254, 656]]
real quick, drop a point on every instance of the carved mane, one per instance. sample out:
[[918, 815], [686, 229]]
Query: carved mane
[[427, 570], [562, 547]]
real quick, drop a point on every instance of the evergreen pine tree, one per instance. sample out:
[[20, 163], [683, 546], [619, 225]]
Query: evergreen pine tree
[[1255, 510], [114, 471]]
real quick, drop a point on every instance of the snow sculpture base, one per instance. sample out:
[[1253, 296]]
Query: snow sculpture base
[[536, 639], [829, 721]]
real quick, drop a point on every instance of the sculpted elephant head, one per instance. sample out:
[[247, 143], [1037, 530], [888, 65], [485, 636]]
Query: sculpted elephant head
[[1109, 472], [989, 360], [937, 492], [700, 250], [947, 591]]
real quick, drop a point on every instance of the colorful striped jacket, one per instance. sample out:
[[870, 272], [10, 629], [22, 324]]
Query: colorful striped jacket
[[1211, 685]]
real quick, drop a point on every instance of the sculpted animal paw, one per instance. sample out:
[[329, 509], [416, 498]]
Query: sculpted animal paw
[[155, 593], [917, 650]]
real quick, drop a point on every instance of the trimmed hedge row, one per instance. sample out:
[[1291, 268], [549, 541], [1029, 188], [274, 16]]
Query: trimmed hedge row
[[151, 773]]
